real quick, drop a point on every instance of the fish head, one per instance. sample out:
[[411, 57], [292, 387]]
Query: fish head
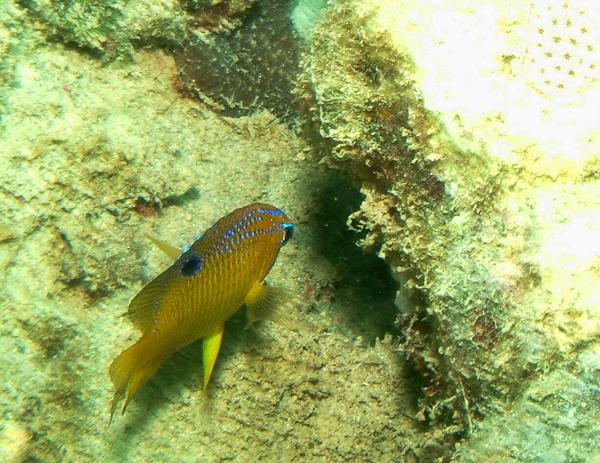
[[273, 221]]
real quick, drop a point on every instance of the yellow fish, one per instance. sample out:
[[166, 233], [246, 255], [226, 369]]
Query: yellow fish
[[221, 271]]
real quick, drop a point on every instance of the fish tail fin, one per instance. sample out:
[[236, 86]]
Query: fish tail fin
[[132, 369]]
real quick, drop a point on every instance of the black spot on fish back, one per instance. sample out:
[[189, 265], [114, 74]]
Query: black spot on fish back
[[190, 265]]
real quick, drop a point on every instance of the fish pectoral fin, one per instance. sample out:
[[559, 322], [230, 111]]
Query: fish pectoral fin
[[264, 302], [169, 250], [210, 350]]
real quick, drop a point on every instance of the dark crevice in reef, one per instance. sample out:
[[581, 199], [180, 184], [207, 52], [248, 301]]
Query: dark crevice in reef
[[363, 285], [192, 194], [251, 68]]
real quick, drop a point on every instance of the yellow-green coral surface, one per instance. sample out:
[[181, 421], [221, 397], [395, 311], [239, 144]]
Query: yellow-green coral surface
[[471, 129], [94, 156]]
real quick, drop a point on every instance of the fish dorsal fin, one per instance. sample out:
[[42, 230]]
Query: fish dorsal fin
[[169, 250], [146, 305]]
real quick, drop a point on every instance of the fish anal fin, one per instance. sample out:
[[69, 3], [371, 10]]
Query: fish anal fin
[[210, 350], [169, 250], [263, 302]]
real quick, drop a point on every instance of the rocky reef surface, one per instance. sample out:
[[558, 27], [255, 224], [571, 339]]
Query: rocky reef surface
[[96, 153], [470, 131]]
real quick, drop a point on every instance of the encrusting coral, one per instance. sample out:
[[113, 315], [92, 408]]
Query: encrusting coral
[[473, 131]]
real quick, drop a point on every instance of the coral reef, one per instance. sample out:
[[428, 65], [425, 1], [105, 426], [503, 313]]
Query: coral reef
[[472, 133], [112, 28], [219, 16], [95, 154], [471, 129], [11, 37], [88, 129]]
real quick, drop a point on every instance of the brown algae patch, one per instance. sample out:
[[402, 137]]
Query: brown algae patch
[[253, 67]]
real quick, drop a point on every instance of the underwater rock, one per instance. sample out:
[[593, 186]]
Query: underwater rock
[[306, 14], [13, 443], [93, 156], [12, 20], [218, 15], [94, 136], [110, 27], [557, 417], [474, 136], [251, 68]]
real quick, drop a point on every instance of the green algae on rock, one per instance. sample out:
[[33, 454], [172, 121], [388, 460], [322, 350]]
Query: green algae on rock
[[110, 27], [472, 133]]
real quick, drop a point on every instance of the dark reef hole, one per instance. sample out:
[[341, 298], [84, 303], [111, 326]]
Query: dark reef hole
[[188, 196], [363, 287]]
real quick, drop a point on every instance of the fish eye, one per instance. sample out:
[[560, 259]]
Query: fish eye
[[191, 265], [288, 232]]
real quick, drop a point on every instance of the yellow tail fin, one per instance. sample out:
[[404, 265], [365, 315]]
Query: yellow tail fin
[[132, 369]]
